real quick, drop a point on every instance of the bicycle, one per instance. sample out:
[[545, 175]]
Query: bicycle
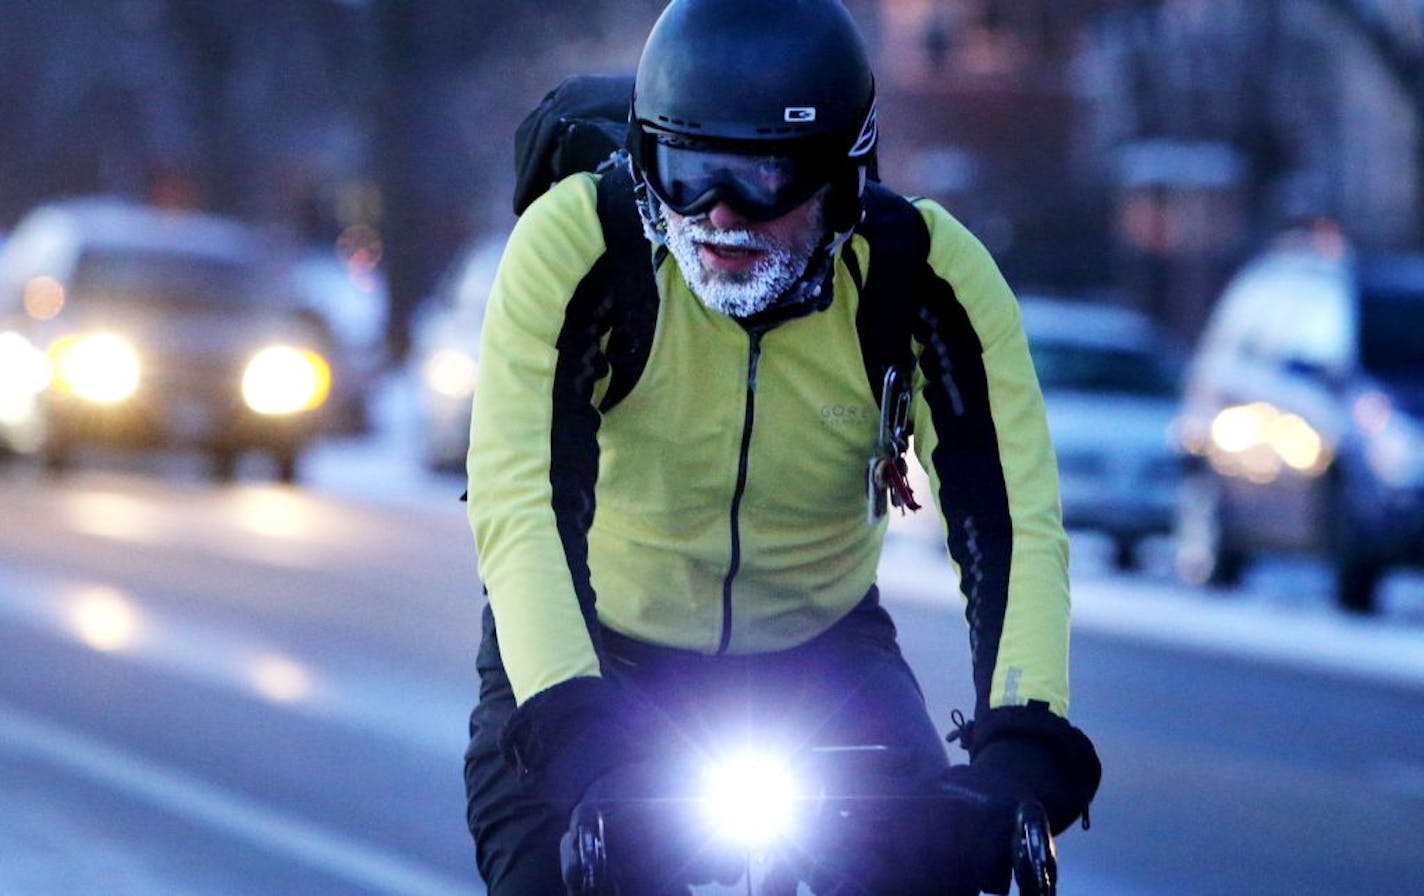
[[762, 809]]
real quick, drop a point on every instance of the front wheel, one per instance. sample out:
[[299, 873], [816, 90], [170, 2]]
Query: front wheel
[[1357, 571]]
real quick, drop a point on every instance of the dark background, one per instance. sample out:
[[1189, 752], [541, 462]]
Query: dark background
[[1134, 148]]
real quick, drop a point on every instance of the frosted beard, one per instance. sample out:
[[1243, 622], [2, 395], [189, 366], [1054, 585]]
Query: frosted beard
[[740, 294]]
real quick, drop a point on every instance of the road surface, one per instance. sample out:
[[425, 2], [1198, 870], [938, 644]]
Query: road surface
[[262, 689]]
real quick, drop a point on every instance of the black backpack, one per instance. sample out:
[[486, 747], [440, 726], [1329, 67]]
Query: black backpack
[[581, 125]]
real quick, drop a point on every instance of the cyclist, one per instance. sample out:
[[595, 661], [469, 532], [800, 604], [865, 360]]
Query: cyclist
[[696, 553]]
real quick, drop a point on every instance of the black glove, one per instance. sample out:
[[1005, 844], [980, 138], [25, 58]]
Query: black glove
[[879, 827], [912, 846], [1018, 754], [1027, 752], [656, 840], [564, 738], [979, 839], [582, 745]]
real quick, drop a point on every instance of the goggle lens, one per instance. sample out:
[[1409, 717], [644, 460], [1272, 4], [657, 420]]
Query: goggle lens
[[762, 187]]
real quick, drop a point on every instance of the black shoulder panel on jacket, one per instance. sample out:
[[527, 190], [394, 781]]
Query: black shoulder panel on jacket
[[573, 437], [899, 245], [626, 275], [972, 491], [617, 297]]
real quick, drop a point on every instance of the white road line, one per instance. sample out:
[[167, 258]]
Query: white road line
[[340, 856]]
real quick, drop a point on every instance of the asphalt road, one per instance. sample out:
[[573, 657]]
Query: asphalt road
[[258, 689], [241, 690]]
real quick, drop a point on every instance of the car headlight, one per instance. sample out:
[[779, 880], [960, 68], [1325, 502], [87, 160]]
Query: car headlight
[[282, 379], [1255, 439], [100, 367], [749, 798], [450, 372]]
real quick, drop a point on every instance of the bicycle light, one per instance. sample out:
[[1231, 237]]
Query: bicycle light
[[749, 798]]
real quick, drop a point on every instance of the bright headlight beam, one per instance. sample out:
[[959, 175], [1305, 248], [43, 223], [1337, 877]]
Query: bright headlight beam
[[1296, 441], [282, 379], [100, 367], [451, 372], [1241, 427], [749, 798], [1257, 440]]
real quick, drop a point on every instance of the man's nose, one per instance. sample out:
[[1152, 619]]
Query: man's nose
[[723, 217]]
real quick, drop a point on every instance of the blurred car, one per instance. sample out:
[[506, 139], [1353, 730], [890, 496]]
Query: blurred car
[[446, 355], [351, 299], [1110, 383], [160, 329], [1304, 411]]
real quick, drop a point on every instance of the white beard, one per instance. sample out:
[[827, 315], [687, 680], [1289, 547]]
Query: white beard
[[745, 294]]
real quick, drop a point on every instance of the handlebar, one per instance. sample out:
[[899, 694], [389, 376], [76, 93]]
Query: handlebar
[[586, 871]]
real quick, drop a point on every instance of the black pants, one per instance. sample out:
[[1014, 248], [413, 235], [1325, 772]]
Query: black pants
[[849, 686]]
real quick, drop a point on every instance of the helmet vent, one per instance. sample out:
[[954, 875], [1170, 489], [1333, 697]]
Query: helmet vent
[[679, 122]]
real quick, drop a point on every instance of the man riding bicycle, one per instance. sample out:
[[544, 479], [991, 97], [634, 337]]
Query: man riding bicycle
[[671, 513]]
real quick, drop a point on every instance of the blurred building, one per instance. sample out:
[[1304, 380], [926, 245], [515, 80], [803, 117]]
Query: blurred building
[[1217, 124], [1143, 145], [1151, 145], [981, 111]]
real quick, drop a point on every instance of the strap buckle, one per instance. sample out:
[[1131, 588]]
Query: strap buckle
[[887, 483]]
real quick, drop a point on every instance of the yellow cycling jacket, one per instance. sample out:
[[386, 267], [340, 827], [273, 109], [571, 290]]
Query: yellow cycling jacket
[[720, 506]]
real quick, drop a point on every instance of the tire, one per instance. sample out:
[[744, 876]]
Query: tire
[[1125, 557], [56, 460], [287, 466], [224, 465], [1204, 555], [1356, 583], [1357, 574]]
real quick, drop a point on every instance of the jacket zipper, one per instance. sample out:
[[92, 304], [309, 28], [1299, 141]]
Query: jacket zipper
[[735, 563]]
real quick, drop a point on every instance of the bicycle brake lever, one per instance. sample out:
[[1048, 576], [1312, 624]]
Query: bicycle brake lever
[[1035, 861], [583, 855]]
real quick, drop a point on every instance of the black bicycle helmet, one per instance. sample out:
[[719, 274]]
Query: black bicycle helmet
[[789, 78]]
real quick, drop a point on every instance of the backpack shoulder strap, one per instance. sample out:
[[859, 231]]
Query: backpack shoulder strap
[[628, 271], [889, 299]]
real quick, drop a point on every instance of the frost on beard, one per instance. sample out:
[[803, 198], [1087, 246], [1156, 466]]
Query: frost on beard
[[742, 294]]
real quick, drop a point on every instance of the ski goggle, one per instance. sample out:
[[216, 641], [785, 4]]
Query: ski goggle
[[761, 187]]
